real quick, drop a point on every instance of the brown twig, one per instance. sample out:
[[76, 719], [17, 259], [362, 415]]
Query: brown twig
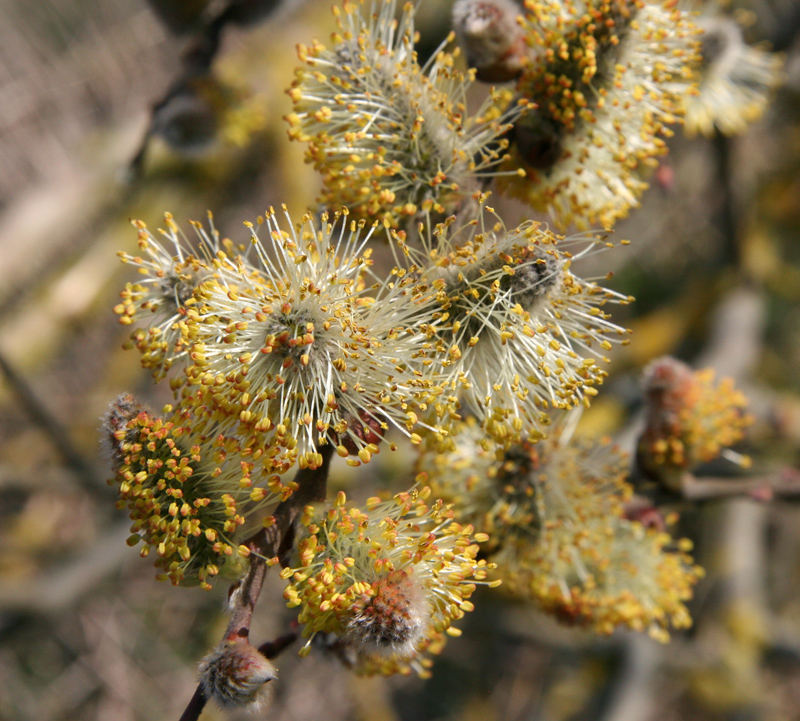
[[195, 707], [274, 541], [312, 487], [61, 585], [726, 213], [196, 62], [245, 599], [783, 483], [274, 648]]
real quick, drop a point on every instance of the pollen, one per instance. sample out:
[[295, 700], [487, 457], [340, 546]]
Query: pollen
[[554, 518], [190, 510], [388, 136], [389, 580], [604, 103]]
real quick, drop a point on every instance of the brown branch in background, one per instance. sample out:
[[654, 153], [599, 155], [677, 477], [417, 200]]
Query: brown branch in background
[[197, 59], [726, 214], [736, 335], [64, 583], [630, 693], [195, 62], [40, 414], [784, 483], [785, 26], [274, 541], [650, 495]]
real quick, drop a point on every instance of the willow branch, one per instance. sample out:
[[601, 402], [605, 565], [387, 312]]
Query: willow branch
[[274, 541], [195, 706], [245, 598], [785, 482], [274, 648], [312, 485]]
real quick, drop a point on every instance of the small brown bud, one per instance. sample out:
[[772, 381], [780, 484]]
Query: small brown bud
[[669, 387], [640, 509], [491, 37], [235, 672]]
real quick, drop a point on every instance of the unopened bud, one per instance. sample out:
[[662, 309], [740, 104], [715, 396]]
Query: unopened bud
[[667, 384], [491, 37], [234, 673]]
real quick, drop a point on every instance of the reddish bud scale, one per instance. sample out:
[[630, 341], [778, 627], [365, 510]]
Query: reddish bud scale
[[492, 38], [367, 429]]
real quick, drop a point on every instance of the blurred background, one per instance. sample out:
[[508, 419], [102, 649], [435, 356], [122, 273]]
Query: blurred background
[[120, 109]]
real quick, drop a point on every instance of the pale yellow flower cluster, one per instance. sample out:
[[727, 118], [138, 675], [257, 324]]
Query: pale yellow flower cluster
[[555, 513], [608, 77], [391, 137], [472, 340], [516, 333], [389, 580]]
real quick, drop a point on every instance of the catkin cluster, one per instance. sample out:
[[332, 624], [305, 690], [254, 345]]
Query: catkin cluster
[[478, 343]]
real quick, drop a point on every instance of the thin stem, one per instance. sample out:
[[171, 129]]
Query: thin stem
[[783, 483], [272, 542], [44, 418], [246, 598], [195, 707], [312, 485], [271, 649]]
